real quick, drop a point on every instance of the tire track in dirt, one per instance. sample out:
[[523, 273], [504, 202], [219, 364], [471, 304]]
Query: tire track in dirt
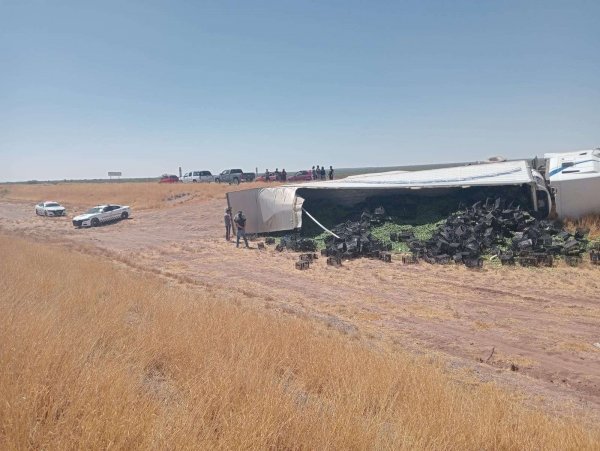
[[543, 321]]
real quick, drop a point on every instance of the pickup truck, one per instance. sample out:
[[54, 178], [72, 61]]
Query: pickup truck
[[234, 176]]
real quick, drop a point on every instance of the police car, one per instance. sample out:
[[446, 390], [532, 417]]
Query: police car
[[101, 214], [49, 208]]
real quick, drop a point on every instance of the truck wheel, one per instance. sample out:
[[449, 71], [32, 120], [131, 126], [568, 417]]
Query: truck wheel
[[217, 180], [194, 181], [95, 222], [236, 181]]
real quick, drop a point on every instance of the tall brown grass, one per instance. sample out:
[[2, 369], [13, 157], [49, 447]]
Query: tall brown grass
[[140, 196], [93, 356], [591, 222]]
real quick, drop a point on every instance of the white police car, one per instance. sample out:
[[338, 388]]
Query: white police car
[[49, 208], [101, 214]]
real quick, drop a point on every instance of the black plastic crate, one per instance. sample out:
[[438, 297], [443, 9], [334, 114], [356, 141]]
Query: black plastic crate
[[573, 260], [385, 257], [334, 261], [410, 259], [528, 261], [302, 265]]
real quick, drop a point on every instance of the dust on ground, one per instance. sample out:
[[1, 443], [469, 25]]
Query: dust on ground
[[530, 328]]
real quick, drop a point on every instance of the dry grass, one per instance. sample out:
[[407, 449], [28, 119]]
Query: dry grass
[[141, 196], [95, 357], [591, 222]]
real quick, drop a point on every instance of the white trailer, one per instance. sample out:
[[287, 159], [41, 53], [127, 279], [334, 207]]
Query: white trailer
[[574, 178], [280, 208]]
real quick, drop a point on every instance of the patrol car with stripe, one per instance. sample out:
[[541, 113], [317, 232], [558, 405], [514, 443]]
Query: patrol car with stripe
[[101, 214]]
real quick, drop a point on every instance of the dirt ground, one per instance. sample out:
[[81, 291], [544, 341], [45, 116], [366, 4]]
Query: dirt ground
[[531, 329]]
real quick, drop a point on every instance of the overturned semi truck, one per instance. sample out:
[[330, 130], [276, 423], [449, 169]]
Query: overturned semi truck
[[274, 209], [567, 185]]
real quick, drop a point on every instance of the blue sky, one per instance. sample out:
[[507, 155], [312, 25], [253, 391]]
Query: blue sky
[[145, 87]]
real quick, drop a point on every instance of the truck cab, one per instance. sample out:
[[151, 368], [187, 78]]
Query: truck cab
[[574, 179]]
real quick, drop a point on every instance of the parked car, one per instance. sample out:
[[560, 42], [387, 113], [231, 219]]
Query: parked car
[[198, 177], [168, 179], [49, 208], [301, 176], [234, 176], [272, 178], [101, 214]]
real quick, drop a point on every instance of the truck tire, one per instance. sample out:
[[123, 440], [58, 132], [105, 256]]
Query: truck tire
[[217, 180], [236, 181]]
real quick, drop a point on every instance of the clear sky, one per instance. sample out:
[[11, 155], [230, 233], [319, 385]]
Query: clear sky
[[144, 87]]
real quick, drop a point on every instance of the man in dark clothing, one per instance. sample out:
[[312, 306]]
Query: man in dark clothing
[[313, 173], [330, 172], [240, 222], [227, 219], [267, 175], [317, 173], [322, 172], [283, 175], [277, 175]]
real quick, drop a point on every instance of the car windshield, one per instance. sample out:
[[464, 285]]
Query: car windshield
[[52, 204], [94, 210]]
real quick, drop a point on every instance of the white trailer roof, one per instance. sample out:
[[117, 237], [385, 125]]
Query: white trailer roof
[[486, 174]]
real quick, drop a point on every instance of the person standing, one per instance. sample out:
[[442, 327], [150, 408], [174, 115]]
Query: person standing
[[240, 223], [322, 172], [317, 173], [330, 172], [313, 173], [227, 220], [277, 175], [283, 175], [267, 175]]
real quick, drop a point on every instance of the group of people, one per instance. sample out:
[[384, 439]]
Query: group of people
[[239, 220], [279, 176], [321, 173], [317, 173]]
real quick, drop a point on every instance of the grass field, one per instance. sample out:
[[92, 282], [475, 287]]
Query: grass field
[[96, 356], [141, 196]]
